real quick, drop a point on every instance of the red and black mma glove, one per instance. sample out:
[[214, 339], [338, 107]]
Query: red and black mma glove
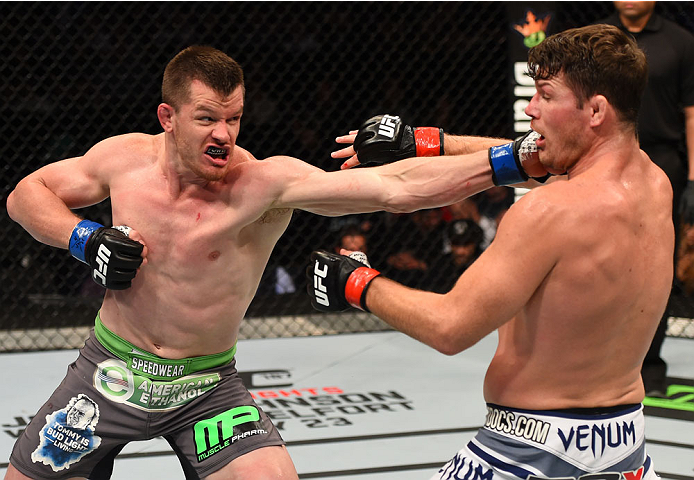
[[113, 257], [507, 160], [336, 282], [386, 139]]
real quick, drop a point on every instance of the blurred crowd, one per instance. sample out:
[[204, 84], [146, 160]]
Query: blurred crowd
[[428, 249]]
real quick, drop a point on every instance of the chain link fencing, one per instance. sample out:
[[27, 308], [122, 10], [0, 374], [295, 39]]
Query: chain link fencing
[[75, 73]]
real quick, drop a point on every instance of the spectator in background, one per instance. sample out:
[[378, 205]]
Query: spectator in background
[[467, 210], [352, 238], [665, 128], [465, 238], [417, 242], [365, 222], [276, 280], [495, 202], [356, 230]]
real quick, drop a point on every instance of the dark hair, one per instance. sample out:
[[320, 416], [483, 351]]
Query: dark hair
[[465, 232], [210, 66], [350, 231], [596, 60]]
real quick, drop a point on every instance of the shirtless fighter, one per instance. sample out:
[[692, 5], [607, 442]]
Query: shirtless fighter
[[196, 218], [575, 281]]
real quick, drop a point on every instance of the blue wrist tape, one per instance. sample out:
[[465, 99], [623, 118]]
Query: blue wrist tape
[[506, 170], [79, 237]]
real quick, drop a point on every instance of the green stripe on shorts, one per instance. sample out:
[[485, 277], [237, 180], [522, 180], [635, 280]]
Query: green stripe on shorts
[[152, 366]]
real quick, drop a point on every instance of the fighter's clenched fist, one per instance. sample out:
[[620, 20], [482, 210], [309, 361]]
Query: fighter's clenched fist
[[336, 282], [113, 257], [515, 162], [386, 139]]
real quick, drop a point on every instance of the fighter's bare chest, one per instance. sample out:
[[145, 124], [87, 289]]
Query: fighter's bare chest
[[189, 226]]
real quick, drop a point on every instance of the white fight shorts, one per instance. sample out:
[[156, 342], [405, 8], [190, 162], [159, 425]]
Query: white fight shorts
[[597, 444]]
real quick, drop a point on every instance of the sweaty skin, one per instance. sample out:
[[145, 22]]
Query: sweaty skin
[[591, 316], [207, 248], [209, 225], [577, 277]]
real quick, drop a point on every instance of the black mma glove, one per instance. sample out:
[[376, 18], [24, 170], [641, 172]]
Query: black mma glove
[[386, 139], [113, 257], [336, 282], [507, 160], [687, 203]]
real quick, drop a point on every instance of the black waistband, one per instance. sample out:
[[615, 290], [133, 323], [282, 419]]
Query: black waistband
[[593, 411], [597, 410]]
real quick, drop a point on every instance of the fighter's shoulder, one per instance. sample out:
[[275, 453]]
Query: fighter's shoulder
[[130, 145], [282, 166], [657, 178], [544, 202], [284, 161], [547, 212]]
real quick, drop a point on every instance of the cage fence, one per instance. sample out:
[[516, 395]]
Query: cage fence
[[313, 70]]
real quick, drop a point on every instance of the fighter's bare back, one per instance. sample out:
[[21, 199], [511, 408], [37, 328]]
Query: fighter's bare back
[[602, 297]]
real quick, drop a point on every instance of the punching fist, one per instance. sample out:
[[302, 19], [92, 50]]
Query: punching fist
[[336, 282], [113, 257], [512, 162], [386, 139]]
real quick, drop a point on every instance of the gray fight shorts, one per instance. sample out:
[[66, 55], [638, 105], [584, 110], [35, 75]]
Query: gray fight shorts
[[580, 444], [115, 393]]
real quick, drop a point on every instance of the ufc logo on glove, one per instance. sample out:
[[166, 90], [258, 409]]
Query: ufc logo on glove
[[102, 257], [387, 126], [101, 248], [338, 282], [320, 290]]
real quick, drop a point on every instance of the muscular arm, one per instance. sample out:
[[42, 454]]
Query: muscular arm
[[464, 145], [41, 202], [488, 294], [453, 145], [403, 186]]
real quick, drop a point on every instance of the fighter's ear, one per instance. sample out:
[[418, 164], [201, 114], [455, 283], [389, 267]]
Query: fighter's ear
[[598, 110], [165, 113]]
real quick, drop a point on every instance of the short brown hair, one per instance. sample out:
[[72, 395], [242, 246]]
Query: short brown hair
[[210, 66], [596, 60]]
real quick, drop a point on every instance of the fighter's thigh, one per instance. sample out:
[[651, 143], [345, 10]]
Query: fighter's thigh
[[14, 474], [266, 463], [222, 426], [72, 432]]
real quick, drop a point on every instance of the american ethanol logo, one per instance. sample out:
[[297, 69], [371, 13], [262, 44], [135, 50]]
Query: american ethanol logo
[[119, 384]]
